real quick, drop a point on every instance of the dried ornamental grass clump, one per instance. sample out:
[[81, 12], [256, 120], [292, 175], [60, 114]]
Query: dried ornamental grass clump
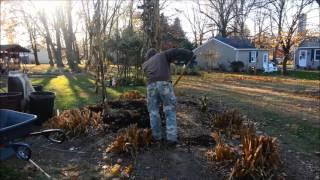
[[229, 120], [131, 139], [77, 121], [130, 95], [260, 157], [222, 151]]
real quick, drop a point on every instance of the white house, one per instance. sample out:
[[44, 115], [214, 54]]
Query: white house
[[42, 55], [220, 52]]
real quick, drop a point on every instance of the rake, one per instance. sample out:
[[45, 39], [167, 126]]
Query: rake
[[184, 70]]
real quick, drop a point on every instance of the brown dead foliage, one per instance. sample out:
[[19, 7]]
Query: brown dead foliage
[[76, 121], [229, 121], [131, 139], [222, 151], [259, 159], [258, 156], [117, 171], [130, 95], [252, 78]]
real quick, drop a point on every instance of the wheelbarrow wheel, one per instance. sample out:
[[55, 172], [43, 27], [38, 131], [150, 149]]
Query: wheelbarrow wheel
[[23, 152]]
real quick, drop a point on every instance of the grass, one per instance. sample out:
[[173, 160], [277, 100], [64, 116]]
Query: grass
[[277, 103], [269, 99], [77, 90], [299, 74]]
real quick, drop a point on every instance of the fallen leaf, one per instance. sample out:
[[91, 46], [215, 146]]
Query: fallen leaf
[[115, 170], [127, 171]]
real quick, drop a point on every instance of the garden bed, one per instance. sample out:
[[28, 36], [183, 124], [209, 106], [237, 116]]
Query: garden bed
[[87, 153]]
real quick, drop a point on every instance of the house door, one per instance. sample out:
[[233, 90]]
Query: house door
[[265, 62], [303, 58]]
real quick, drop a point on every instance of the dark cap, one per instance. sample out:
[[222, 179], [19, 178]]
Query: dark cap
[[151, 52]]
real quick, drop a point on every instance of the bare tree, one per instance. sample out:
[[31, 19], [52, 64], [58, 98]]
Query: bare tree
[[31, 29], [151, 23], [287, 25], [197, 21], [68, 34], [58, 51], [221, 13], [99, 24], [241, 11], [50, 47], [262, 36]]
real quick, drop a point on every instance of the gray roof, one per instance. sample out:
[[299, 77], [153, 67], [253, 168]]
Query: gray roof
[[310, 42], [13, 48], [236, 42]]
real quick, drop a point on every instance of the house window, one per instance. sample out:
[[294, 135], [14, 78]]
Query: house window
[[317, 54], [253, 56]]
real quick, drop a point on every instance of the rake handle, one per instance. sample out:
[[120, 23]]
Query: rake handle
[[184, 70]]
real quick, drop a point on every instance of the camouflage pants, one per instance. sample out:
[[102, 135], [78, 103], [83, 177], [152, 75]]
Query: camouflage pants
[[162, 91]]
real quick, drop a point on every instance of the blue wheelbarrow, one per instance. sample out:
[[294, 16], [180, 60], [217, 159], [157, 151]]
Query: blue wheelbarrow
[[14, 126]]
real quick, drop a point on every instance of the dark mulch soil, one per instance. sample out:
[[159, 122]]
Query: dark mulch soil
[[86, 157]]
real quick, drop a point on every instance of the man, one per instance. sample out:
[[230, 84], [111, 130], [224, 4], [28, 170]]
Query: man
[[159, 89]]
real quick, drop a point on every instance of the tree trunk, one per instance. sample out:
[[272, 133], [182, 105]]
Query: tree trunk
[[223, 31], [49, 52], [284, 65], [50, 45], [34, 48], [89, 53], [97, 79], [35, 53], [68, 38], [76, 50], [103, 86], [58, 52]]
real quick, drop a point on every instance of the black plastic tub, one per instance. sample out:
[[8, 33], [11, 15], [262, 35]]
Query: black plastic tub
[[15, 85], [11, 100], [38, 88], [41, 104]]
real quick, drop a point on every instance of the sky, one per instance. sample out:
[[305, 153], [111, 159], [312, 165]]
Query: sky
[[313, 16]]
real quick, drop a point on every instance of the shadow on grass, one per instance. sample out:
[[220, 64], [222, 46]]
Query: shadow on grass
[[289, 128], [78, 90], [41, 81], [82, 87], [116, 92], [298, 74]]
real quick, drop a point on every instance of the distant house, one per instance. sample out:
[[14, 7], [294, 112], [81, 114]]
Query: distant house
[[11, 55], [307, 54], [219, 52], [42, 55]]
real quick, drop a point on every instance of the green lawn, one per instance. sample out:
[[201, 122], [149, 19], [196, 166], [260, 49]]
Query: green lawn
[[77, 90], [299, 74], [280, 105]]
